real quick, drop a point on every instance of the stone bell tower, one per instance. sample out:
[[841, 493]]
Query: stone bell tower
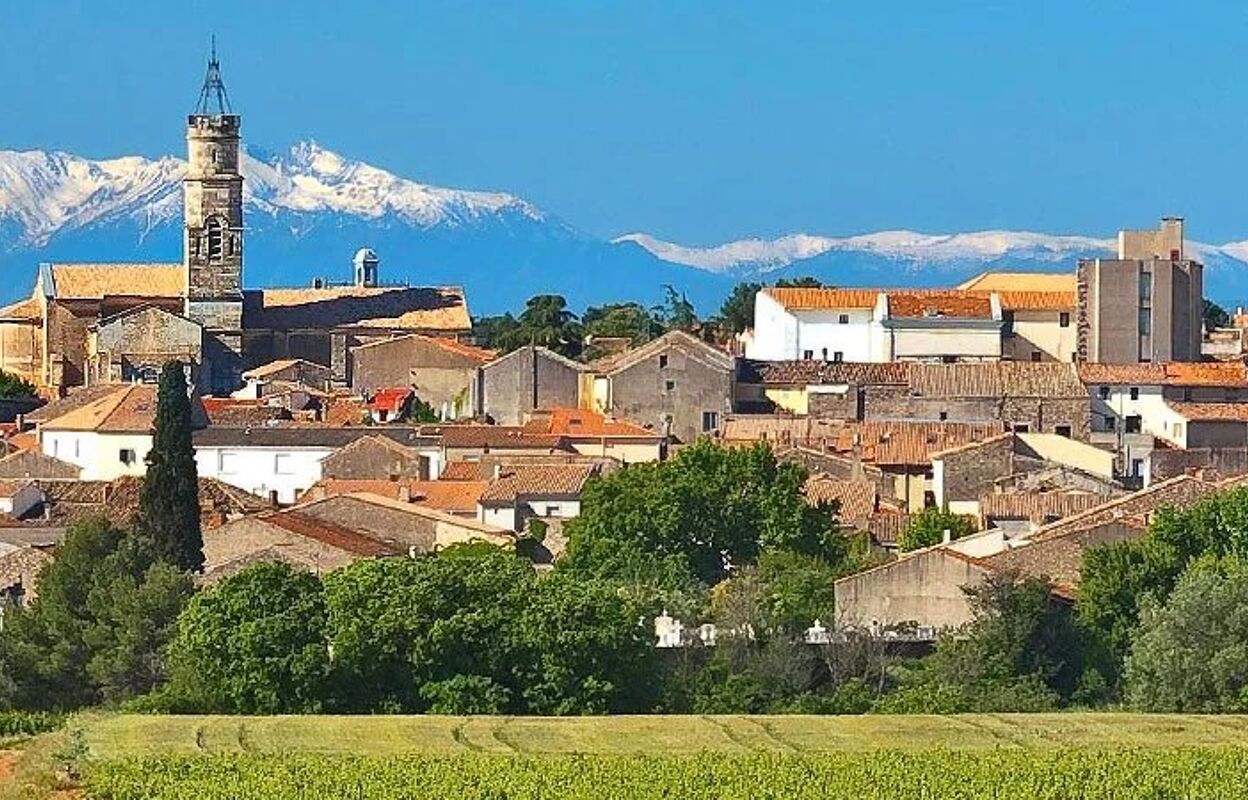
[[212, 248]]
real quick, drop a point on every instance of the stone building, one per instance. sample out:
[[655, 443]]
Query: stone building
[[526, 380], [1146, 304], [677, 384], [97, 321], [441, 371]]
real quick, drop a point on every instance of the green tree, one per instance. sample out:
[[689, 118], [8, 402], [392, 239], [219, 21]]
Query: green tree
[[255, 643], [803, 282], [737, 311], [621, 320], [418, 411], [13, 386], [495, 332], [169, 501], [1115, 579], [1189, 654], [99, 627], [1214, 315], [586, 651], [676, 312], [696, 515], [799, 589], [928, 528], [547, 321]]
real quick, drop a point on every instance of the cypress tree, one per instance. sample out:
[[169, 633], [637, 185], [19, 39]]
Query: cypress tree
[[169, 503]]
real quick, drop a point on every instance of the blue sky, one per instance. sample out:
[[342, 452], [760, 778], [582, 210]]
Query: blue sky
[[697, 122]]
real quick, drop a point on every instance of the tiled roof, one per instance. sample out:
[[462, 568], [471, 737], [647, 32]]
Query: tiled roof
[[565, 480], [466, 471], [1046, 282], [25, 310], [450, 496], [996, 379], [1037, 507], [345, 411], [1180, 491], [811, 372], [395, 308], [813, 299], [455, 346], [330, 533], [900, 443], [77, 398], [501, 436], [97, 281], [947, 303], [574, 422], [779, 430], [855, 499], [1233, 374], [390, 400], [886, 527], [1211, 412], [1038, 301], [273, 367], [129, 409], [228, 411], [218, 501], [35, 464], [11, 486]]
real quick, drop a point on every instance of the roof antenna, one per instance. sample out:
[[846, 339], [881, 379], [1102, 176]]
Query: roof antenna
[[213, 90]]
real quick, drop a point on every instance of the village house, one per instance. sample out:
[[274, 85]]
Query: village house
[[528, 379], [1038, 310], [676, 384], [459, 498], [283, 376], [441, 371], [520, 494]]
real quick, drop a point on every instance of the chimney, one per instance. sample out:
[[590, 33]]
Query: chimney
[[946, 537], [405, 493], [855, 467], [318, 283]]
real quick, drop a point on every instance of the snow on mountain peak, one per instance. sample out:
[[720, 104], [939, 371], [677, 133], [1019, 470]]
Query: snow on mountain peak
[[48, 192]]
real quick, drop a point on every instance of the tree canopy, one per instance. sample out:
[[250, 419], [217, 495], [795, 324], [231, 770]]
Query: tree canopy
[[13, 386], [169, 502], [928, 528]]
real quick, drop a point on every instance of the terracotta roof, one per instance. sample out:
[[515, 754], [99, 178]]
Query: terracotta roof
[[33, 463], [77, 398], [574, 422], [563, 480], [501, 436], [1037, 507], [779, 430], [855, 499], [901, 443], [811, 372], [1232, 374], [466, 471], [947, 303], [1181, 490], [345, 411], [97, 281], [391, 400], [218, 501], [273, 367], [884, 528], [1044, 282], [813, 299], [129, 409], [11, 486], [479, 354], [996, 379], [330, 533], [228, 411], [1038, 301], [1211, 412], [19, 442], [455, 497], [27, 310], [396, 308]]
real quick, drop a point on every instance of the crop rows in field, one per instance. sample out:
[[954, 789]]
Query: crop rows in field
[[1191, 774]]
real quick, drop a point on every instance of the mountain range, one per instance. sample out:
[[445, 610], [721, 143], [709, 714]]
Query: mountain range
[[308, 209]]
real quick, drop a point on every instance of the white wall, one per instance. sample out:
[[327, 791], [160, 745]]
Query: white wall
[[545, 509], [98, 454], [775, 330], [923, 343], [780, 334], [1043, 329]]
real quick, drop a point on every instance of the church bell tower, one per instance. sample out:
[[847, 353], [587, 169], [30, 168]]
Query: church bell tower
[[212, 247]]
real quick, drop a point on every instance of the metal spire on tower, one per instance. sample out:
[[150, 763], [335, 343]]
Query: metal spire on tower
[[213, 91]]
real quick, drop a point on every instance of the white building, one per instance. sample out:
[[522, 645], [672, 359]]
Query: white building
[[870, 325], [108, 437], [282, 462], [545, 492], [1038, 310]]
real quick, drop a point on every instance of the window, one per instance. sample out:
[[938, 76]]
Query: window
[[1007, 320], [216, 238], [944, 415], [808, 354], [1063, 319], [948, 359], [1111, 424], [1021, 428], [1187, 395], [669, 385], [1137, 468], [1131, 424], [227, 462], [284, 464], [663, 361], [127, 456], [1103, 392], [1062, 430], [1146, 286], [843, 319], [1146, 321], [1178, 430], [838, 356], [554, 511], [825, 354], [1135, 393], [1035, 355], [710, 421]]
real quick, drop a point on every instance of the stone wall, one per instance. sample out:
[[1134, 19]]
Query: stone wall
[[674, 384], [1037, 414], [369, 459], [1225, 461], [925, 588], [970, 472], [524, 381], [439, 376]]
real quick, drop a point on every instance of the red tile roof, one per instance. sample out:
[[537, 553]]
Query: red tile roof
[[1232, 374], [1211, 412], [813, 299], [390, 400], [548, 480], [443, 495], [949, 303], [575, 422], [329, 533]]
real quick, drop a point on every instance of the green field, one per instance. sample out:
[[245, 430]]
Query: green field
[[128, 736], [1015, 756]]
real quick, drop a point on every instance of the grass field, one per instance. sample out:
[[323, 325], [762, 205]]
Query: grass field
[[112, 737]]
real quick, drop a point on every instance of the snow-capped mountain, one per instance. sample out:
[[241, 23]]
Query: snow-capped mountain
[[307, 209]]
